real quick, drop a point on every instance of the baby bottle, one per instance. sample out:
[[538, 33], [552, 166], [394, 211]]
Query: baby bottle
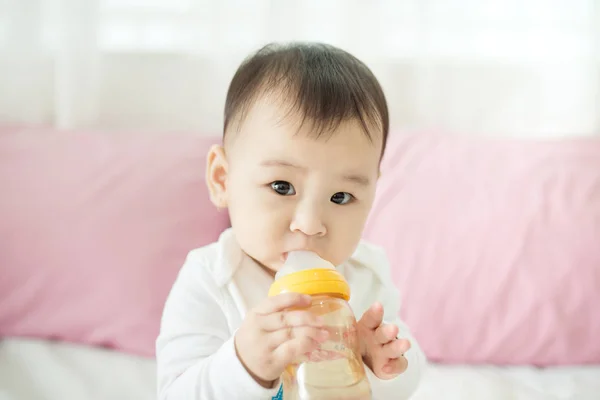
[[335, 370]]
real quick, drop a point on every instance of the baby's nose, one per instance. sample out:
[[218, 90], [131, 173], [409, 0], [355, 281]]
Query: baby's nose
[[308, 220]]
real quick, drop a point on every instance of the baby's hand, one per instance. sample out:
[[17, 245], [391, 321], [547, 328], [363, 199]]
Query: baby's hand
[[381, 350], [271, 336]]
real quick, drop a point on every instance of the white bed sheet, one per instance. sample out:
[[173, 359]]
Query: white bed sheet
[[41, 370]]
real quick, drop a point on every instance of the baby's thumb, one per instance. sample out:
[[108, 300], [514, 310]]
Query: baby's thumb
[[373, 317]]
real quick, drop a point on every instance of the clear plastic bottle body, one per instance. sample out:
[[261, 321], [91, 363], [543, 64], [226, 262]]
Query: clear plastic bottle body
[[335, 370]]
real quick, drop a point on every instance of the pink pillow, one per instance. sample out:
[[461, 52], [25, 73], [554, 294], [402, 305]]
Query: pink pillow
[[495, 245], [94, 228]]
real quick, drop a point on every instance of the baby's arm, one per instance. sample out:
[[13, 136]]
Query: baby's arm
[[196, 358]]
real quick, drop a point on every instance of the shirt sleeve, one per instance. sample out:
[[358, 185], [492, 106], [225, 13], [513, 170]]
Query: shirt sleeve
[[404, 385], [195, 352]]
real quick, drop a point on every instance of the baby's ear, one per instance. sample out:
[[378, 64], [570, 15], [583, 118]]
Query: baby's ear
[[216, 176]]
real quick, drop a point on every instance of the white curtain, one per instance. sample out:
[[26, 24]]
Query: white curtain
[[526, 68]]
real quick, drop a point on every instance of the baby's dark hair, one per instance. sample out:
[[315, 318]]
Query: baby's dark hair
[[323, 84]]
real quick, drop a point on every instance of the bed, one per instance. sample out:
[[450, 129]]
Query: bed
[[45, 370]]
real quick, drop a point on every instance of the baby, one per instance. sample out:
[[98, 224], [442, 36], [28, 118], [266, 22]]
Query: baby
[[305, 130]]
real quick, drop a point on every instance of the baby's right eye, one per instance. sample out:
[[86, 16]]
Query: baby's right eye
[[283, 188]]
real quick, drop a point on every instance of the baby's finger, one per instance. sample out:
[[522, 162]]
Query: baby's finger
[[396, 348], [290, 350], [386, 333], [373, 317], [283, 301], [277, 338], [285, 319], [395, 367]]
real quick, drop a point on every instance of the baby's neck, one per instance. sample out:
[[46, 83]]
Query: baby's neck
[[269, 271]]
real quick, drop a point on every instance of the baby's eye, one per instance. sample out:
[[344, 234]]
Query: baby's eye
[[342, 198], [283, 188]]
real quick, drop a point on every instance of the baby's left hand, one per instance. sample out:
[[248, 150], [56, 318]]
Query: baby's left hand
[[380, 348]]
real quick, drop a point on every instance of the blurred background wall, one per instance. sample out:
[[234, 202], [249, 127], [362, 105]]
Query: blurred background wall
[[525, 68]]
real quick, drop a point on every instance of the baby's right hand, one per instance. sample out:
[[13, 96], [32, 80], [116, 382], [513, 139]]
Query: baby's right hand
[[271, 336]]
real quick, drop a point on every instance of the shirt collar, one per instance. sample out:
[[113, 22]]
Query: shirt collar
[[229, 257]]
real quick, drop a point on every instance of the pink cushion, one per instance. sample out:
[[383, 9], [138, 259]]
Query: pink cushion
[[94, 228], [495, 245]]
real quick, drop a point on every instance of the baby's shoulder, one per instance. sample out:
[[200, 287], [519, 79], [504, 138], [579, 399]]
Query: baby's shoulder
[[368, 263], [199, 266], [205, 255]]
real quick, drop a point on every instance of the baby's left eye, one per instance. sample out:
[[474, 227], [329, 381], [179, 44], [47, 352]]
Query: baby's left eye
[[341, 198]]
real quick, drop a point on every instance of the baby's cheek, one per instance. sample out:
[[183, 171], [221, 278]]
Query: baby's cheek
[[344, 239], [269, 227]]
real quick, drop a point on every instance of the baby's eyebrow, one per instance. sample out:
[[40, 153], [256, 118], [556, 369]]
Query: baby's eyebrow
[[280, 163], [360, 179]]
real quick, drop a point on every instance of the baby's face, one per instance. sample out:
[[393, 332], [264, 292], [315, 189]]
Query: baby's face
[[287, 190]]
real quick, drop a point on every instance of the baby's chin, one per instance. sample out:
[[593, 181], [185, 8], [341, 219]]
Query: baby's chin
[[271, 270], [274, 266], [276, 263], [270, 267]]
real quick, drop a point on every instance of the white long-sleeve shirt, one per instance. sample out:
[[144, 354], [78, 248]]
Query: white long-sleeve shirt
[[215, 288]]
